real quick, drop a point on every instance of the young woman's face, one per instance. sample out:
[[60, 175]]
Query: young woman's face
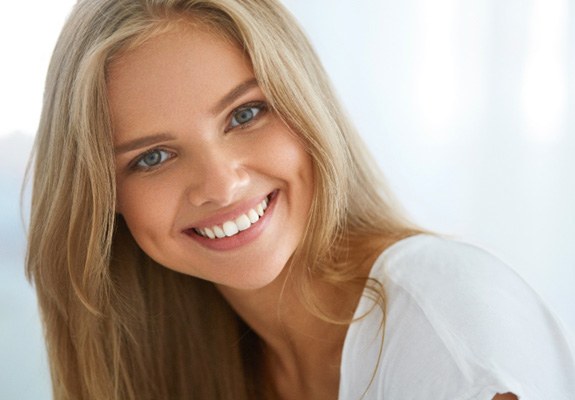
[[210, 181]]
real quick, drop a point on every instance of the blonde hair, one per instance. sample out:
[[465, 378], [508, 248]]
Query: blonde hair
[[117, 325]]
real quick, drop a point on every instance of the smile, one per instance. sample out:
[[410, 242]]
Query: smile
[[234, 226]]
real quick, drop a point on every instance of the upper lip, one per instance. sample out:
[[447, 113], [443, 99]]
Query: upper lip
[[237, 209]]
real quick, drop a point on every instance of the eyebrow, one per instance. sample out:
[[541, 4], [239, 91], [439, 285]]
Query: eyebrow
[[142, 142], [233, 95], [224, 102]]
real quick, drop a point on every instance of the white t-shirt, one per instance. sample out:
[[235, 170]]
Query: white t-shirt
[[460, 325]]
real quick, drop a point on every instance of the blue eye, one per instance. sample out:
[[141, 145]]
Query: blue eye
[[245, 115], [152, 159]]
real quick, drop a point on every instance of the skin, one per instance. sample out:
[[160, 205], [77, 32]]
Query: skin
[[181, 160], [163, 95], [211, 168]]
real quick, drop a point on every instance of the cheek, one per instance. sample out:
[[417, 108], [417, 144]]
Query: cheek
[[286, 154], [144, 207], [299, 163], [127, 200]]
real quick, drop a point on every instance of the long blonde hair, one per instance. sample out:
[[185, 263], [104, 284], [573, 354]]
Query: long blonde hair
[[117, 325]]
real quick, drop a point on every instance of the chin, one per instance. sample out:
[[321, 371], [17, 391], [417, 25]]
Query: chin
[[259, 280]]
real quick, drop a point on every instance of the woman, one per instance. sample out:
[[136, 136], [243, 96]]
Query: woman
[[206, 224]]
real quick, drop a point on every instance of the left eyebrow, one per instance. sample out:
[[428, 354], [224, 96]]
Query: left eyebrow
[[233, 95]]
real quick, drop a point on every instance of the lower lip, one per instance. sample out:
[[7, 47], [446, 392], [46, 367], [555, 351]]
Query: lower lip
[[240, 239]]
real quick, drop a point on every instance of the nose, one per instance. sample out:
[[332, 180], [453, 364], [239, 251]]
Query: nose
[[218, 177]]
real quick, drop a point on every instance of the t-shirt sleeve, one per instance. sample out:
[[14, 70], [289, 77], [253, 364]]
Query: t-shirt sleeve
[[497, 330]]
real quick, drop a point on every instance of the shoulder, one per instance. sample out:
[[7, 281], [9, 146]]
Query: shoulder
[[464, 291], [454, 309], [457, 280], [414, 261]]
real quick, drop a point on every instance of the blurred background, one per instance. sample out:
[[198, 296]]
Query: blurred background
[[465, 105]]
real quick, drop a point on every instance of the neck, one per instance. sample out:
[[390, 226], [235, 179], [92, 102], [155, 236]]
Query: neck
[[280, 317], [302, 351]]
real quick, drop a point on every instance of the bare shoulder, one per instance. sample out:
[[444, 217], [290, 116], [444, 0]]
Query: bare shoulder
[[506, 396]]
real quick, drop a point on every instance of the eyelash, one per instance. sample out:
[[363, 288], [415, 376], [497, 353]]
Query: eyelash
[[260, 106], [135, 164]]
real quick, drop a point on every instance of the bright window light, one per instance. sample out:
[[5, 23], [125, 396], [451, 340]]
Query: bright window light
[[544, 87]]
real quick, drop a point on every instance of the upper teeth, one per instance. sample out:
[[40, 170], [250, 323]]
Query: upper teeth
[[232, 227]]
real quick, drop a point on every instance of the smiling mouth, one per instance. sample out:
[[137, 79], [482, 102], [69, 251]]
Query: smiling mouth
[[239, 224]]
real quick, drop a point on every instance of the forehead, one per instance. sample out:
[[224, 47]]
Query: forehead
[[180, 46], [188, 67]]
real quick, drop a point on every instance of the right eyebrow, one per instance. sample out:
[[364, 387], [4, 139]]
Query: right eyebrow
[[141, 142]]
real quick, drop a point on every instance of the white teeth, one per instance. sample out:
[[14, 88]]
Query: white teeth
[[253, 216], [243, 222], [260, 210], [233, 227], [209, 233], [219, 232], [230, 228]]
